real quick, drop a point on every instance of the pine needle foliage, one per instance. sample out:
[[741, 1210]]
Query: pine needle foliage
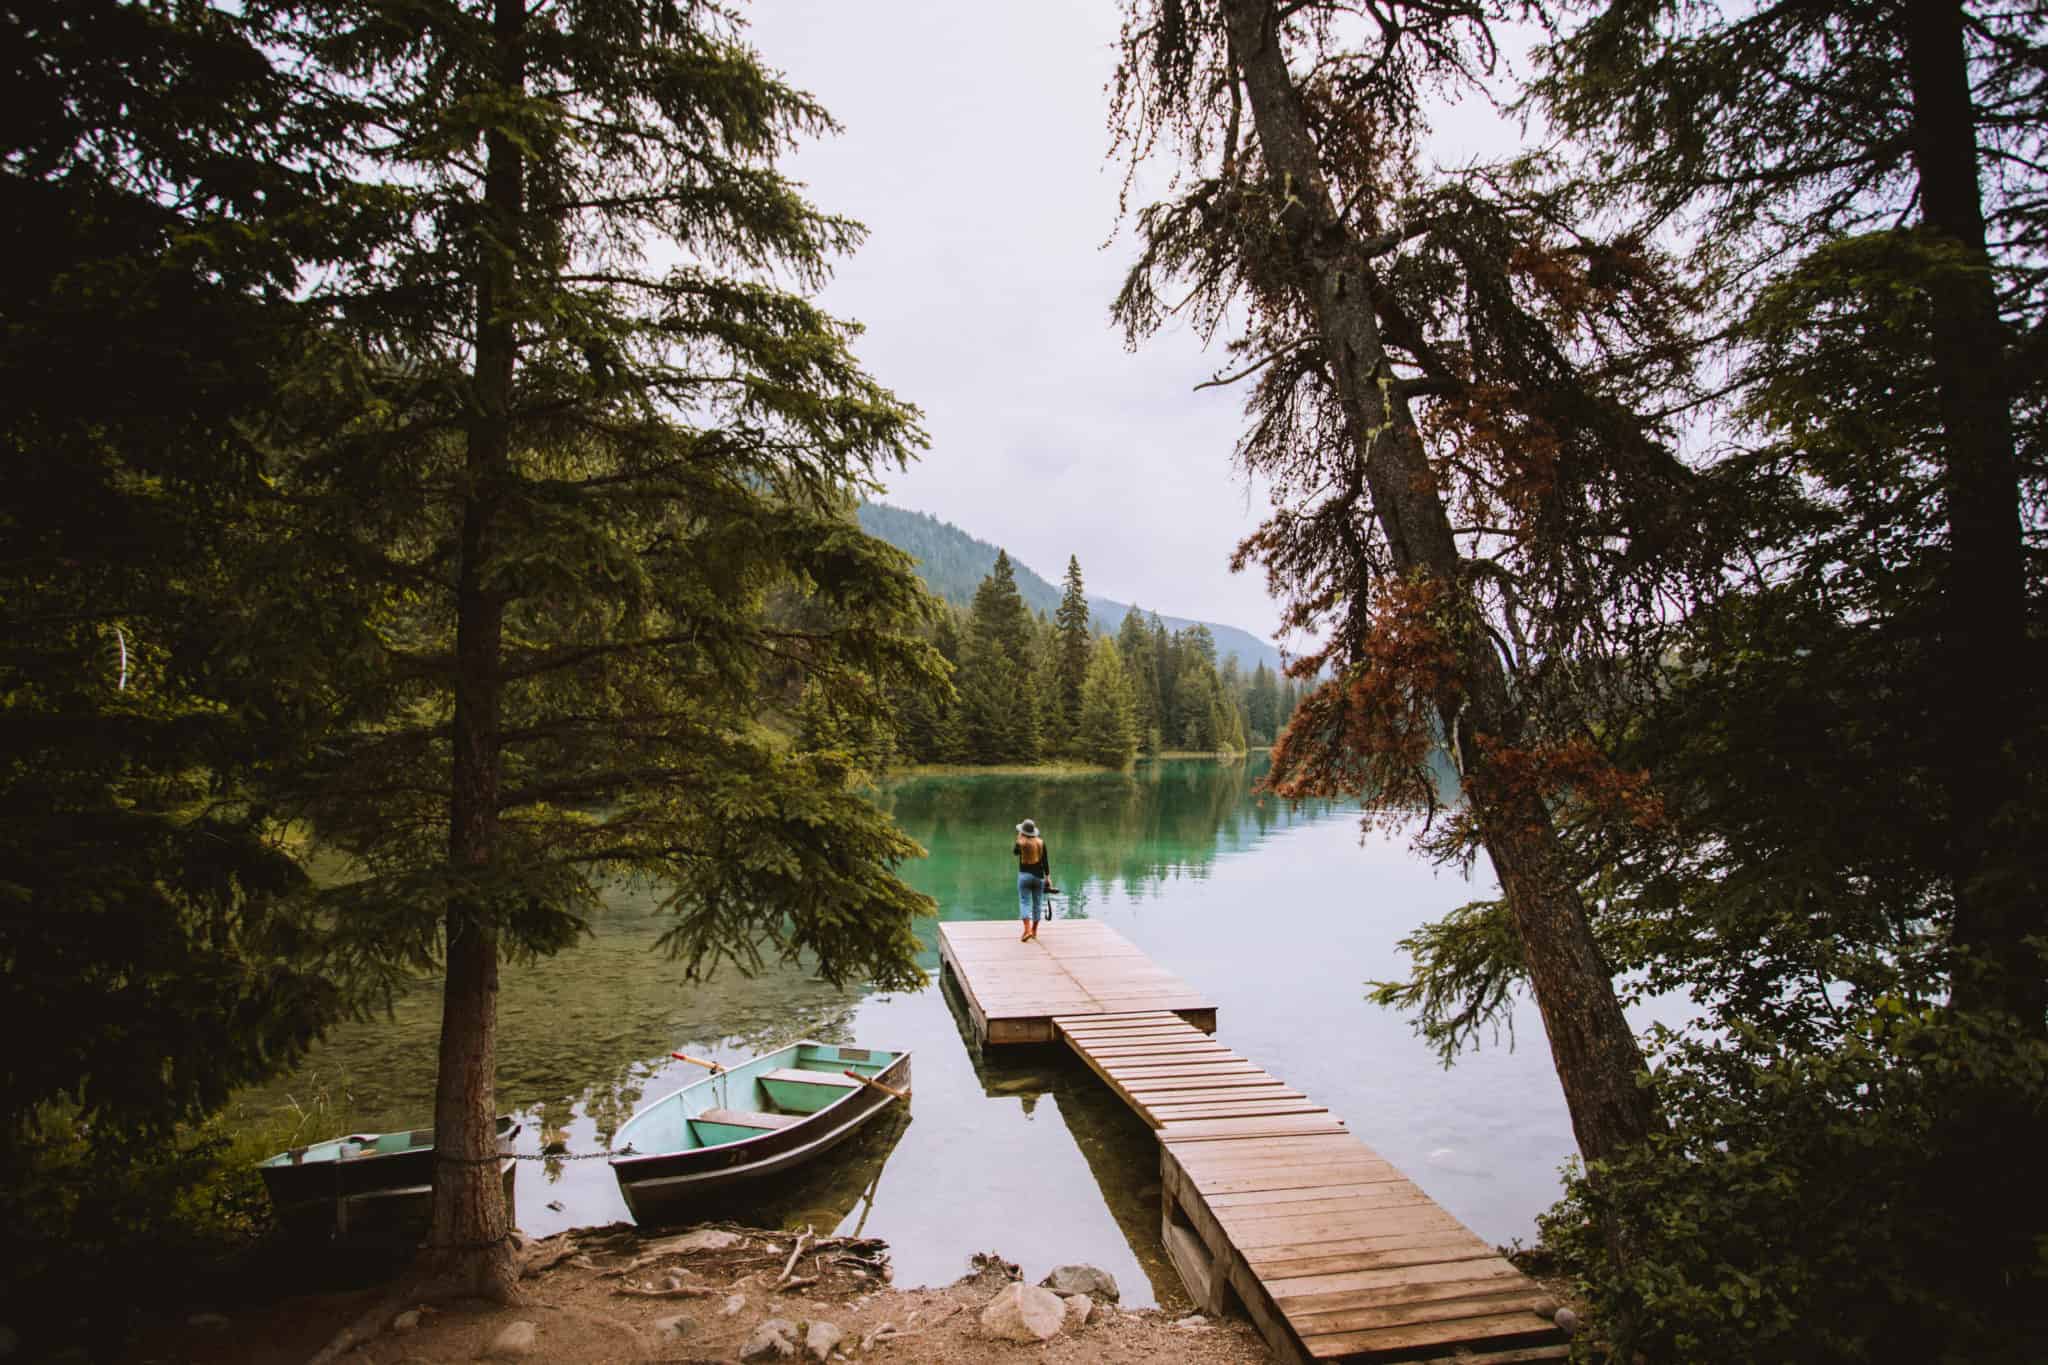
[[576, 422]]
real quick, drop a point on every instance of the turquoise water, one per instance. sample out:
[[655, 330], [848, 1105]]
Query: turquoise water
[[1278, 915]]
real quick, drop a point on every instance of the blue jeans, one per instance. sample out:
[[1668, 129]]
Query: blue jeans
[[1030, 896]]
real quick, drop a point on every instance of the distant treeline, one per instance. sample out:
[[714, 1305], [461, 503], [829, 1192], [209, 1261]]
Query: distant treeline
[[953, 563], [1028, 688]]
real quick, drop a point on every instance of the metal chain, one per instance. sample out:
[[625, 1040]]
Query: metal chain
[[571, 1156]]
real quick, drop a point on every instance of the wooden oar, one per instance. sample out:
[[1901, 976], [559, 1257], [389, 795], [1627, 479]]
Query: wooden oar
[[713, 1067], [889, 1090]]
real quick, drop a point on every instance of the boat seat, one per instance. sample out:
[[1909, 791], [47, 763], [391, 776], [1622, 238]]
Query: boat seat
[[747, 1118], [795, 1077]]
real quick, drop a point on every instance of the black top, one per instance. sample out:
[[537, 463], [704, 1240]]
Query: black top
[[1042, 868]]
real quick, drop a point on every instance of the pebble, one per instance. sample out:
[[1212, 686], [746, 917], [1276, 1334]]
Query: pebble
[[735, 1304], [773, 1339], [9, 1341], [1567, 1322], [823, 1339], [1193, 1322], [406, 1321], [512, 1343], [675, 1325], [207, 1320]]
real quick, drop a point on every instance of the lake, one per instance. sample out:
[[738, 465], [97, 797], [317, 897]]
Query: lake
[[1279, 915]]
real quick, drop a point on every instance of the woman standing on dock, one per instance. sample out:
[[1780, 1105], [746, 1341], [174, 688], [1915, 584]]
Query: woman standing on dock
[[1034, 875]]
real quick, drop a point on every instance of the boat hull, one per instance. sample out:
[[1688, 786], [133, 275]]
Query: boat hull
[[669, 1187], [369, 1200]]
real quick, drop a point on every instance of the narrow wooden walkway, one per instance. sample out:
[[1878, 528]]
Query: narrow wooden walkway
[[1269, 1203]]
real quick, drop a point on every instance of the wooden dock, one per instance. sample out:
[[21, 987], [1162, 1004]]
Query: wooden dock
[[1269, 1203], [1076, 966]]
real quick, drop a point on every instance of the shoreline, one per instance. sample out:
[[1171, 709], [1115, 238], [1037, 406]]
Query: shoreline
[[1059, 767], [619, 1293]]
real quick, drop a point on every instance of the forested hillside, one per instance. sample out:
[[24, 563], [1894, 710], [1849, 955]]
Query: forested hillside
[[953, 564], [1030, 687]]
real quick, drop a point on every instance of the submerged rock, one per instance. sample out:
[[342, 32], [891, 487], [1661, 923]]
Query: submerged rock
[[1082, 1279], [1022, 1312]]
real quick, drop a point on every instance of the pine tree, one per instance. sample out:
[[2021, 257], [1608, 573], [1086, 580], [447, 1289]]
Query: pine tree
[[998, 695], [577, 479], [1451, 292], [1262, 707], [1108, 731], [1134, 643], [161, 201], [1075, 644]]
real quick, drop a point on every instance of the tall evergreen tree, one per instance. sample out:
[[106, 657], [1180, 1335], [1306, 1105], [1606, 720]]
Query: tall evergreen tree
[[1919, 125], [998, 695], [578, 477], [1531, 347], [1108, 732], [1262, 707], [161, 199], [1134, 643], [1075, 643]]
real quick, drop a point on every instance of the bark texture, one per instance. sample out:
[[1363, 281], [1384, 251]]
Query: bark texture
[[470, 1244], [1985, 621], [1598, 1061]]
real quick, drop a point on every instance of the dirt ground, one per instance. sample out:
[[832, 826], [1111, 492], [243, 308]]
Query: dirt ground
[[611, 1295]]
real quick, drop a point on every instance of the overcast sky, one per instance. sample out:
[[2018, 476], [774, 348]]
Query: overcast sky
[[974, 151]]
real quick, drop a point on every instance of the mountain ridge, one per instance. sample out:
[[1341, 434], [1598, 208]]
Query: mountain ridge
[[953, 562]]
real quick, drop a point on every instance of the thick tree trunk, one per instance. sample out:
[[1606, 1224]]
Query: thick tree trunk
[[470, 1244], [1985, 609], [1597, 1058]]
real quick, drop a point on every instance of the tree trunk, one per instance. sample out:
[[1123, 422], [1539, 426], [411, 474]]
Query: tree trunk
[[1598, 1061], [470, 1244], [1984, 615]]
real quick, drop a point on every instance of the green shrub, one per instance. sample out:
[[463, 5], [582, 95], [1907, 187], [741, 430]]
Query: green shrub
[[1876, 1201]]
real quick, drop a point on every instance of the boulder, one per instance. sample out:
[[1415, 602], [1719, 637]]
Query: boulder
[[703, 1239], [1082, 1279], [823, 1339], [514, 1343], [774, 1339], [1080, 1308], [1022, 1312], [675, 1326]]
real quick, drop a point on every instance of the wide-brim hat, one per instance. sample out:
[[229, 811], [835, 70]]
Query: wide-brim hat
[[1029, 827]]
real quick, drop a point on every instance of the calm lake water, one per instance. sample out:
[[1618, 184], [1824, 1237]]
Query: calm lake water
[[1280, 916]]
